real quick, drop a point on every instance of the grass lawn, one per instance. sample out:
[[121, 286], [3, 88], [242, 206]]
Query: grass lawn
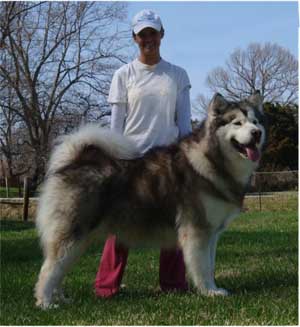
[[13, 192], [257, 259]]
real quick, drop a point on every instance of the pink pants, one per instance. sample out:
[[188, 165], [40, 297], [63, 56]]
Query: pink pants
[[113, 262]]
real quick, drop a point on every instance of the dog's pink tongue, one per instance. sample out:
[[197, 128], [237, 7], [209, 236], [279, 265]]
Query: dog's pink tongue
[[253, 154]]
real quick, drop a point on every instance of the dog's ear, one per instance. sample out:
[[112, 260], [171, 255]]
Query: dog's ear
[[217, 105], [257, 100]]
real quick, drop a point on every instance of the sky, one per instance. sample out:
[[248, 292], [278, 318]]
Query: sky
[[200, 36]]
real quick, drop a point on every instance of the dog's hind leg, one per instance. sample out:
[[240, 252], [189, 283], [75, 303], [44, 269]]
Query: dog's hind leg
[[196, 245], [58, 261]]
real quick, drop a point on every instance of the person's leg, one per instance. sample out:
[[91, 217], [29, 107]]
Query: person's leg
[[111, 268], [172, 271]]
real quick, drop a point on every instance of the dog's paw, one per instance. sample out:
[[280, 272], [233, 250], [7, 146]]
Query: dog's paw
[[216, 292], [45, 305]]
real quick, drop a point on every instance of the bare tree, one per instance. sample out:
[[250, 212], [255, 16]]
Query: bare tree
[[11, 11], [269, 68], [12, 136], [8, 119], [199, 106], [57, 56]]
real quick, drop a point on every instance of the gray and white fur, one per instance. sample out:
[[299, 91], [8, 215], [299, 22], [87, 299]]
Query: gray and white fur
[[183, 194]]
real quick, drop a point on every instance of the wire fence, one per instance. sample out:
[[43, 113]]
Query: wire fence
[[269, 191], [272, 191]]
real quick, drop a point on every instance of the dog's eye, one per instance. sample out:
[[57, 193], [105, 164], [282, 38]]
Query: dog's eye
[[237, 123], [255, 122]]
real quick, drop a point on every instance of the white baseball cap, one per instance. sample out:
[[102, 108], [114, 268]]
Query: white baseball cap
[[146, 18]]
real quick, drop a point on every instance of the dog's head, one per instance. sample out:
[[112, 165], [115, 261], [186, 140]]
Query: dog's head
[[238, 126]]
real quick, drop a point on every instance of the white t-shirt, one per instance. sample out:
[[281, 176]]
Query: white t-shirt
[[150, 94]]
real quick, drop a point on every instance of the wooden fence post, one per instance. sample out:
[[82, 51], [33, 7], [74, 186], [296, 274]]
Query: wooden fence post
[[7, 187], [26, 199], [260, 196], [19, 187]]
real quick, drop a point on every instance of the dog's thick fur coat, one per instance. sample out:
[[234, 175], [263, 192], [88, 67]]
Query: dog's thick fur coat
[[185, 193]]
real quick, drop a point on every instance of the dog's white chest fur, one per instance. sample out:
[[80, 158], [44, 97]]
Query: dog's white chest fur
[[219, 213]]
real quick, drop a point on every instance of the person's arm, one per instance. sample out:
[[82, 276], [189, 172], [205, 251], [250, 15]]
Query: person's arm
[[118, 114], [183, 112]]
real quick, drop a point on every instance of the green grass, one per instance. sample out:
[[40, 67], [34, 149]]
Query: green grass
[[282, 201], [13, 192], [256, 259]]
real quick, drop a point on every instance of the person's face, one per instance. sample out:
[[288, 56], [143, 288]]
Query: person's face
[[148, 40]]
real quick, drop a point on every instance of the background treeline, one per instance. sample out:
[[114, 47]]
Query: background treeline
[[56, 64]]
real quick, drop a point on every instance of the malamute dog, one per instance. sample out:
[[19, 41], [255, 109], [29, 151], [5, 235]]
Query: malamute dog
[[184, 194]]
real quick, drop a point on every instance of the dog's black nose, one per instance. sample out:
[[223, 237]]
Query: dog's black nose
[[256, 134]]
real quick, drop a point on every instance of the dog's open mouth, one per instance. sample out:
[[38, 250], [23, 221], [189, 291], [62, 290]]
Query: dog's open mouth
[[249, 151]]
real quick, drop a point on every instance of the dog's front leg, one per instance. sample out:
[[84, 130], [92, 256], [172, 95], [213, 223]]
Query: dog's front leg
[[196, 245], [213, 248]]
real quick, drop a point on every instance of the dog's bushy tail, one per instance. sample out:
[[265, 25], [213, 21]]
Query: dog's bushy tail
[[113, 144]]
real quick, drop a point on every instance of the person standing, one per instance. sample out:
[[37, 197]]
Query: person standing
[[150, 105]]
